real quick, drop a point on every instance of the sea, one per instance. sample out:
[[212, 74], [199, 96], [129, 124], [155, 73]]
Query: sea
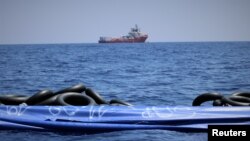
[[147, 74]]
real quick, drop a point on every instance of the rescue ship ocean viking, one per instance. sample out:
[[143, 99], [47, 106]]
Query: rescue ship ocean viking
[[134, 36]]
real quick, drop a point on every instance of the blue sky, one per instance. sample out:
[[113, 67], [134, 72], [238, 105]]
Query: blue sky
[[84, 21]]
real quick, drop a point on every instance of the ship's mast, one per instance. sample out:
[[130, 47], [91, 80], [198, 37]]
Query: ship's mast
[[136, 28]]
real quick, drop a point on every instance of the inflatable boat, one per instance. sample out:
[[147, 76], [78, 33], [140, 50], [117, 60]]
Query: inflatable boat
[[81, 109], [96, 119]]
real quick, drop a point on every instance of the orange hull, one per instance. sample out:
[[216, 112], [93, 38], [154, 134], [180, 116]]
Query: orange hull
[[141, 39]]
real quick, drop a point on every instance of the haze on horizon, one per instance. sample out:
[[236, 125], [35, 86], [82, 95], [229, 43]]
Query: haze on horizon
[[84, 21]]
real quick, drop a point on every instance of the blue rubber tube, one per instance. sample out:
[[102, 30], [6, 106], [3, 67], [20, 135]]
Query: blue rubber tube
[[95, 119]]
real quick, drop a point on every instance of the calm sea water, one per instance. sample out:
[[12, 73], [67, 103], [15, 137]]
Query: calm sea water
[[142, 74]]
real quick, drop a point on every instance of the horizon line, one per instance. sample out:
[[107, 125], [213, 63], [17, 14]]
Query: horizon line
[[219, 41]]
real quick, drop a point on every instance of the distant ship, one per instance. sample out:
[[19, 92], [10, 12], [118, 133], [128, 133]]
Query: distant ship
[[134, 36]]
